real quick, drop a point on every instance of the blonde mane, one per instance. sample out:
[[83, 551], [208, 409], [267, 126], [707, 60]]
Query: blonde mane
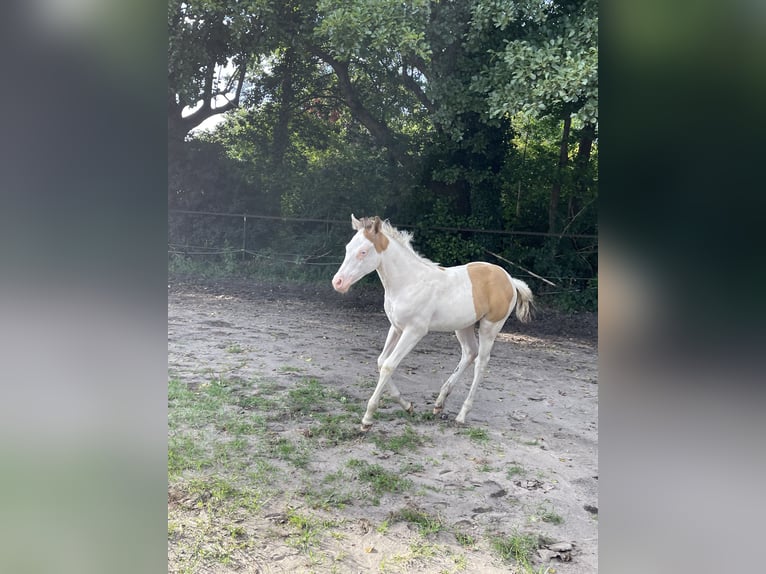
[[403, 238]]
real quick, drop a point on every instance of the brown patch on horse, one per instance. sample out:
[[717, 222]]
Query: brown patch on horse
[[492, 291], [373, 233]]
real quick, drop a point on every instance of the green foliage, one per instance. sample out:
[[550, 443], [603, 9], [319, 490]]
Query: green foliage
[[364, 27], [441, 116], [550, 67]]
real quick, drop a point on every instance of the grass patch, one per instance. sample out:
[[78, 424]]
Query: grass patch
[[465, 540], [308, 529], [518, 548], [308, 396], [326, 498], [545, 512], [514, 470], [336, 428], [408, 440], [289, 369], [379, 479], [198, 408], [412, 468], [477, 435], [426, 523], [214, 488], [284, 449], [186, 453], [418, 552]]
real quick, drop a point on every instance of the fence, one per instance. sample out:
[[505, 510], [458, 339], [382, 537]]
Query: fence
[[314, 243]]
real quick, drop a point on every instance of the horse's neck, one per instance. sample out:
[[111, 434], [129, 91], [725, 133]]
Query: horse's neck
[[401, 268]]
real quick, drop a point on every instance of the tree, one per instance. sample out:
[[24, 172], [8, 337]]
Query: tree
[[211, 43], [422, 104], [551, 69]]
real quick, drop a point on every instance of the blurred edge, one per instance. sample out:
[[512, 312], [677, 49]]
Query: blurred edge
[[83, 286], [681, 289], [82, 292]]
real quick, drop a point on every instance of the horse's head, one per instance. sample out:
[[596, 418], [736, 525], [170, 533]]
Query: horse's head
[[363, 252]]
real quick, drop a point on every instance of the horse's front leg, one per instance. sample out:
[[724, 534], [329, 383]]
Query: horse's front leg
[[406, 342], [391, 340]]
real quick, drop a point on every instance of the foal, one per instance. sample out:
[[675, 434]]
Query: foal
[[421, 296]]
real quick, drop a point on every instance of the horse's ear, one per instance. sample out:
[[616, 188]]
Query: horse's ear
[[355, 223], [376, 225]]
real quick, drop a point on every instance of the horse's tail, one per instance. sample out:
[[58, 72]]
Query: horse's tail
[[524, 300]]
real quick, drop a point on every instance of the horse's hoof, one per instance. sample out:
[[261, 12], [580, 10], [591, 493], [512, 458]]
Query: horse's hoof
[[411, 409], [365, 428], [437, 410]]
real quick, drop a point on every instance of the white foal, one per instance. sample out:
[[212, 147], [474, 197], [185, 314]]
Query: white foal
[[421, 296]]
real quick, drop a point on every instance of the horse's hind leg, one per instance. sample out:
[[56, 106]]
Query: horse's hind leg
[[487, 333], [470, 350]]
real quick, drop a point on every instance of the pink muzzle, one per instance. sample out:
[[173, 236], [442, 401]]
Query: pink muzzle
[[339, 284]]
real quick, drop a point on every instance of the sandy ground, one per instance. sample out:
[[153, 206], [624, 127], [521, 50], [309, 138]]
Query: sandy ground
[[538, 406]]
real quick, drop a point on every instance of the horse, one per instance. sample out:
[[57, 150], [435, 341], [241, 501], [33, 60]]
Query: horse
[[422, 296]]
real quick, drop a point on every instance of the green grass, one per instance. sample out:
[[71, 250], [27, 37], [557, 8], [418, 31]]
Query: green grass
[[285, 449], [327, 498], [379, 479], [514, 470], [289, 369], [426, 523], [477, 435], [307, 396], [230, 446], [516, 548], [465, 540], [307, 530], [409, 440], [336, 428], [186, 453], [544, 511]]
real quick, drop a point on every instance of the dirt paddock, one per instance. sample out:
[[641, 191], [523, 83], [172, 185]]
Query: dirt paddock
[[525, 462]]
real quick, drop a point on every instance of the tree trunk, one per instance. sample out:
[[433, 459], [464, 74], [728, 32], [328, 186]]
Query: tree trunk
[[587, 135], [553, 206], [584, 146], [281, 129]]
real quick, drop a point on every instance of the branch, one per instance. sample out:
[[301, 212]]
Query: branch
[[419, 64], [520, 267], [378, 128], [207, 110], [414, 87]]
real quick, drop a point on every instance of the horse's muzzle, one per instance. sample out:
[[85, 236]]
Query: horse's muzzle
[[339, 285]]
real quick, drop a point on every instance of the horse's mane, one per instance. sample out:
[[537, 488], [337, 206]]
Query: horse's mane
[[403, 238]]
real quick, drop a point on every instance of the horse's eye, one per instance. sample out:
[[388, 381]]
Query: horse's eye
[[363, 253]]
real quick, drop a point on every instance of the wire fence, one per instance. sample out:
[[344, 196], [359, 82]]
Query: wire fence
[[251, 238]]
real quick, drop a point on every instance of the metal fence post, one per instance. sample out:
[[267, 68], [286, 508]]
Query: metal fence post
[[244, 235]]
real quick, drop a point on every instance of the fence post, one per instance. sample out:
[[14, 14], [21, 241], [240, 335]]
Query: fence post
[[244, 235]]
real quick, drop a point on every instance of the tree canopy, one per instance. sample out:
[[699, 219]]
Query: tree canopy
[[448, 113]]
